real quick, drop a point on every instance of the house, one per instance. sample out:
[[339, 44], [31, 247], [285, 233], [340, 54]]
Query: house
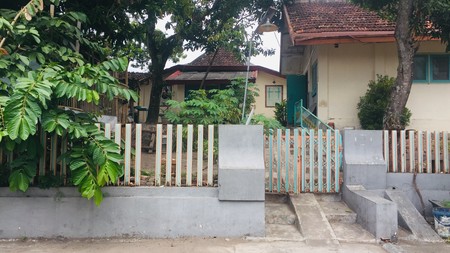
[[226, 67], [331, 50]]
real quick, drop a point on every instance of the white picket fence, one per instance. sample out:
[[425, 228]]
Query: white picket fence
[[182, 155], [416, 151], [170, 167]]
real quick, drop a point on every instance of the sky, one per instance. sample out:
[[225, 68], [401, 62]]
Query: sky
[[270, 40]]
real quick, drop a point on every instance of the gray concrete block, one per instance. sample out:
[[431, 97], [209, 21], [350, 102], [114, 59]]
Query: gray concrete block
[[376, 214], [410, 218], [431, 187], [241, 163], [363, 159], [144, 212]]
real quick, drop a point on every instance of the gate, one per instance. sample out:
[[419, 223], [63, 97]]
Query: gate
[[302, 160]]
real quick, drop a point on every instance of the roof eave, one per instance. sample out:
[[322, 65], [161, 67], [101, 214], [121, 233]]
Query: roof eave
[[343, 37]]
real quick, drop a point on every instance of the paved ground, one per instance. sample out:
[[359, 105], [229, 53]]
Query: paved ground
[[289, 228], [198, 245]]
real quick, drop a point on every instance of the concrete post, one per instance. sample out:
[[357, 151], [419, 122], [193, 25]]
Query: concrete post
[[241, 163], [363, 159]]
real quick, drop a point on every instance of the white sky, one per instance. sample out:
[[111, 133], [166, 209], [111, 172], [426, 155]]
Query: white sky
[[269, 40]]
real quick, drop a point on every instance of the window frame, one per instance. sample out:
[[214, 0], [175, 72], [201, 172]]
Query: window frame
[[267, 93], [429, 69], [427, 72]]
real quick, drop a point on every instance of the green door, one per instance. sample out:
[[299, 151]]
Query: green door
[[297, 86]]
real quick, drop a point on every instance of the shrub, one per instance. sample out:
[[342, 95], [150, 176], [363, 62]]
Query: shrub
[[268, 123], [281, 112], [372, 106]]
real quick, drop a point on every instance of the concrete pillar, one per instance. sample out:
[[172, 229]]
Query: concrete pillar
[[364, 163], [241, 163]]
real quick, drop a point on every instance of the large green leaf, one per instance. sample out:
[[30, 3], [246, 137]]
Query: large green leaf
[[55, 121], [21, 115], [18, 180], [23, 171]]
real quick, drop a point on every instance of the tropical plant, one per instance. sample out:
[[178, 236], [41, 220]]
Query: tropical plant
[[212, 106], [281, 112], [39, 67], [372, 106]]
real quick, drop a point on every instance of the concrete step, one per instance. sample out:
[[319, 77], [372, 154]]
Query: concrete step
[[281, 219], [283, 233], [279, 213], [410, 218], [313, 223], [338, 212], [352, 233]]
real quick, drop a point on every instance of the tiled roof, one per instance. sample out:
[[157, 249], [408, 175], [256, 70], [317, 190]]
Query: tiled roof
[[223, 58], [336, 19], [137, 76], [180, 77]]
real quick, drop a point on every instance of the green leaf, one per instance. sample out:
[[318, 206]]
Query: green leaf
[[21, 114], [24, 60], [79, 175], [113, 169], [20, 66], [40, 57], [98, 156], [54, 121], [18, 180], [98, 197]]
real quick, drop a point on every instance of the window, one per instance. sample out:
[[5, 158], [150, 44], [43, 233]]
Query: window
[[439, 67], [431, 68], [420, 68], [274, 94]]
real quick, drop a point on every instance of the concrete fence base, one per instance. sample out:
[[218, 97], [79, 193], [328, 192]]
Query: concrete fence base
[[139, 212], [234, 209]]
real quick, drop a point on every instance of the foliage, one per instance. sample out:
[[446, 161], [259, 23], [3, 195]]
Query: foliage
[[281, 112], [268, 123], [192, 25], [211, 107], [372, 106], [414, 20], [39, 67]]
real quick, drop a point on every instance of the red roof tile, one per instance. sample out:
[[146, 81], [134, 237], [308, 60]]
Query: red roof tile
[[223, 58], [334, 19]]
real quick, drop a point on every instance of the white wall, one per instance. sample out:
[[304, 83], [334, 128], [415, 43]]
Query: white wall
[[263, 79], [345, 71]]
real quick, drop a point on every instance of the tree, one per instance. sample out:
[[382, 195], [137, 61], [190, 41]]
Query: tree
[[39, 67], [205, 25], [129, 28], [414, 19]]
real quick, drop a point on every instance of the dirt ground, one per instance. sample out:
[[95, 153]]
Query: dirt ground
[[148, 169]]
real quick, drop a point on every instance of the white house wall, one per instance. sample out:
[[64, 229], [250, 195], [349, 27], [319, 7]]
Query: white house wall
[[345, 71], [262, 80]]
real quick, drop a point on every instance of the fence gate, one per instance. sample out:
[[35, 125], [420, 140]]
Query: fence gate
[[302, 160]]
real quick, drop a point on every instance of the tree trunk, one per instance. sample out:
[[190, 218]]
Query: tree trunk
[[155, 97], [202, 84], [406, 47]]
